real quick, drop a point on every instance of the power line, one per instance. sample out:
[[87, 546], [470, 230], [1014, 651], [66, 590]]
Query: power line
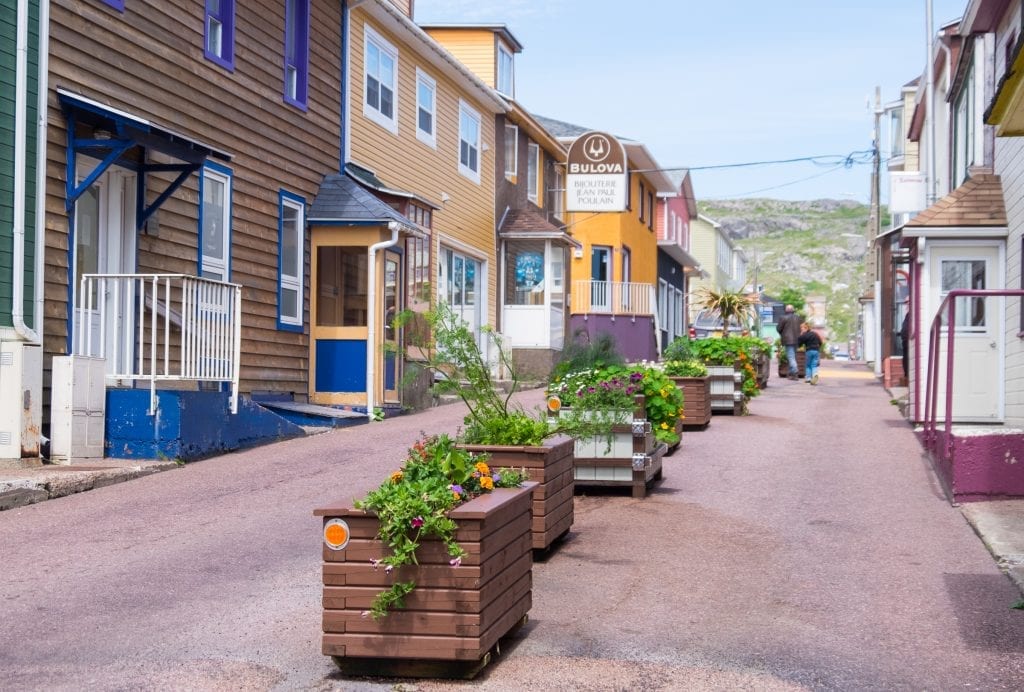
[[835, 160]]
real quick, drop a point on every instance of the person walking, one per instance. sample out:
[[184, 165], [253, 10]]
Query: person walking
[[789, 334], [811, 342]]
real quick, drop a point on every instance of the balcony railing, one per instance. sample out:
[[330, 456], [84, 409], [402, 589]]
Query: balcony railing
[[160, 328], [612, 298]]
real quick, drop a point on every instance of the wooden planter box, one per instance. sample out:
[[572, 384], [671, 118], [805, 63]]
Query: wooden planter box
[[632, 458], [763, 365], [696, 400], [454, 613], [550, 466], [801, 361], [726, 389]]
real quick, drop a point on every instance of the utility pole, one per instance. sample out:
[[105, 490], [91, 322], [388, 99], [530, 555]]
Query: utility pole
[[872, 342], [929, 107]]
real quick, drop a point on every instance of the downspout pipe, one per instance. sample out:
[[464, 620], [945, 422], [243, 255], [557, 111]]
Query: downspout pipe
[[20, 128], [42, 112], [371, 315]]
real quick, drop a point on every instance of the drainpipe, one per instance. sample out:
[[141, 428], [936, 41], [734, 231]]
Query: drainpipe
[[20, 126], [41, 139], [371, 314]]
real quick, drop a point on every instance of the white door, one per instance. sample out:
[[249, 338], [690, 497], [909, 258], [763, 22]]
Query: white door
[[977, 347], [104, 244]]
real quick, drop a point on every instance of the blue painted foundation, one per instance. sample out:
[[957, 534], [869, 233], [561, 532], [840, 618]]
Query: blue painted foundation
[[187, 425]]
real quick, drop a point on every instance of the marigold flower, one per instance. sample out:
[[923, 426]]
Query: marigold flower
[[482, 467], [664, 425], [486, 483], [396, 476], [662, 392], [417, 522]]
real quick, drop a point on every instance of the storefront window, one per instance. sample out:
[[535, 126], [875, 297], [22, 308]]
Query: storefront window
[[524, 273]]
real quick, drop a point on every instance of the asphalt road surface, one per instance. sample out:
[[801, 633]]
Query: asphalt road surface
[[805, 546]]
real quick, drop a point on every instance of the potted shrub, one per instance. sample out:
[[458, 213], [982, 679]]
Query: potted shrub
[[435, 564], [731, 367], [496, 425], [691, 376], [636, 409]]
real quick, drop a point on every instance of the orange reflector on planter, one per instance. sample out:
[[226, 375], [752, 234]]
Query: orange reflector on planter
[[554, 404], [336, 534]]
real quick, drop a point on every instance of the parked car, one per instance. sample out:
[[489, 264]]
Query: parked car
[[709, 323]]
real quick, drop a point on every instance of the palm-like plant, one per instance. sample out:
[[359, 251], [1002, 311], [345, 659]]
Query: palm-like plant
[[732, 306]]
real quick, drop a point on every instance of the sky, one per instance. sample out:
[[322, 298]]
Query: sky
[[709, 85]]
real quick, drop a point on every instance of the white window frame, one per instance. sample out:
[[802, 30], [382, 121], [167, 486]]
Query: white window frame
[[558, 193], [511, 157], [532, 171], [468, 113], [291, 278], [384, 47], [505, 81], [423, 80], [211, 264]]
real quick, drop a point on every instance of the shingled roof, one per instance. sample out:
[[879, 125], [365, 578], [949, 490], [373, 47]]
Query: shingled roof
[[976, 203]]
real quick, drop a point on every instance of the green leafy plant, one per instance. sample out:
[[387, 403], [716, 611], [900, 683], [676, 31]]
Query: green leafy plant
[[691, 367], [734, 307], [733, 350], [414, 502], [614, 388], [679, 349]]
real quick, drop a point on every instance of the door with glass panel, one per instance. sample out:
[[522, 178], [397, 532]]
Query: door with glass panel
[[461, 283], [977, 347], [104, 243], [600, 278], [392, 306]]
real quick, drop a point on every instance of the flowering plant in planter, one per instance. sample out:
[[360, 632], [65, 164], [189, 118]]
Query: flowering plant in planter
[[730, 350], [414, 502], [685, 368], [614, 388]]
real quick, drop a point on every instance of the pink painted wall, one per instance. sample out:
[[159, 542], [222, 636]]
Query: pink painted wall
[[983, 467]]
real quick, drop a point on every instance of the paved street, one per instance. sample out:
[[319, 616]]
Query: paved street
[[806, 546]]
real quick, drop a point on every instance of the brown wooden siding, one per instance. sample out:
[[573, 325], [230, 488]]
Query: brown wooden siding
[[148, 61], [405, 162]]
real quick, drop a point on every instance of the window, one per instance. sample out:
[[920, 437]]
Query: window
[[419, 214], [341, 286], [896, 137], [511, 151], [627, 265], [381, 76], [426, 109], [532, 171], [116, 4], [220, 33], [557, 193], [296, 52], [418, 270], [724, 255], [469, 142], [215, 223], [963, 131], [643, 196], [524, 272], [291, 260], [461, 277], [650, 209], [970, 311], [505, 75]]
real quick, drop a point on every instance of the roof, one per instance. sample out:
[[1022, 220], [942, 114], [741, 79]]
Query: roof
[[341, 200], [560, 128], [526, 224], [976, 203]]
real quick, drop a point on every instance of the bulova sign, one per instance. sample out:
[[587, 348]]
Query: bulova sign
[[596, 174]]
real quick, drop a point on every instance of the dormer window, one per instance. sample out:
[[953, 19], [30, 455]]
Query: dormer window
[[505, 74]]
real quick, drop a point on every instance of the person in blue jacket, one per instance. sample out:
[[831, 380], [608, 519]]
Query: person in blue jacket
[[811, 342]]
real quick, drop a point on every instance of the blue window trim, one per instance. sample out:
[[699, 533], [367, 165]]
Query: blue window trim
[[227, 172], [226, 17], [283, 195], [300, 58], [116, 4]]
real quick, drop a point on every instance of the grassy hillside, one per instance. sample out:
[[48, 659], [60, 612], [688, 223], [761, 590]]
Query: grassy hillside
[[816, 248]]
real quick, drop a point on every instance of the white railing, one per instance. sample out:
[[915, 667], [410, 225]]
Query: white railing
[[612, 298], [161, 327]]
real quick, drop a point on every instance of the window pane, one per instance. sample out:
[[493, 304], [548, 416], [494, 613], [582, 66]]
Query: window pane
[[289, 303], [426, 122], [341, 287], [213, 218], [289, 240], [386, 102], [372, 92], [524, 273]]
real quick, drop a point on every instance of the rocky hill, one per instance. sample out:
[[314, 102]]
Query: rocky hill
[[816, 247]]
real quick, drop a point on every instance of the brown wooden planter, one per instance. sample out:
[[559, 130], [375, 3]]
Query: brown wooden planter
[[696, 400], [632, 458], [454, 613], [801, 361], [550, 466]]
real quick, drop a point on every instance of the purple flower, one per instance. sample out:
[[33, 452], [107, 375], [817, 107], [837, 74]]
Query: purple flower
[[374, 563], [365, 614], [630, 390], [590, 390], [455, 488], [417, 522], [636, 377], [455, 561], [389, 569], [497, 478]]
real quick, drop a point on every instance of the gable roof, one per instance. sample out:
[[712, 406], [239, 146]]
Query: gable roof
[[341, 200], [977, 203]]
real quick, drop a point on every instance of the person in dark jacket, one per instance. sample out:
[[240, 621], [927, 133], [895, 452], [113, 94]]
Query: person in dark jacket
[[905, 343], [789, 333], [811, 342]]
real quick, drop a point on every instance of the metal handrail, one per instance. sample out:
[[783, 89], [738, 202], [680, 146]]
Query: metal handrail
[[948, 305], [149, 314]]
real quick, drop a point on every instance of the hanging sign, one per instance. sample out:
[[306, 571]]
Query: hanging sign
[[596, 174]]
